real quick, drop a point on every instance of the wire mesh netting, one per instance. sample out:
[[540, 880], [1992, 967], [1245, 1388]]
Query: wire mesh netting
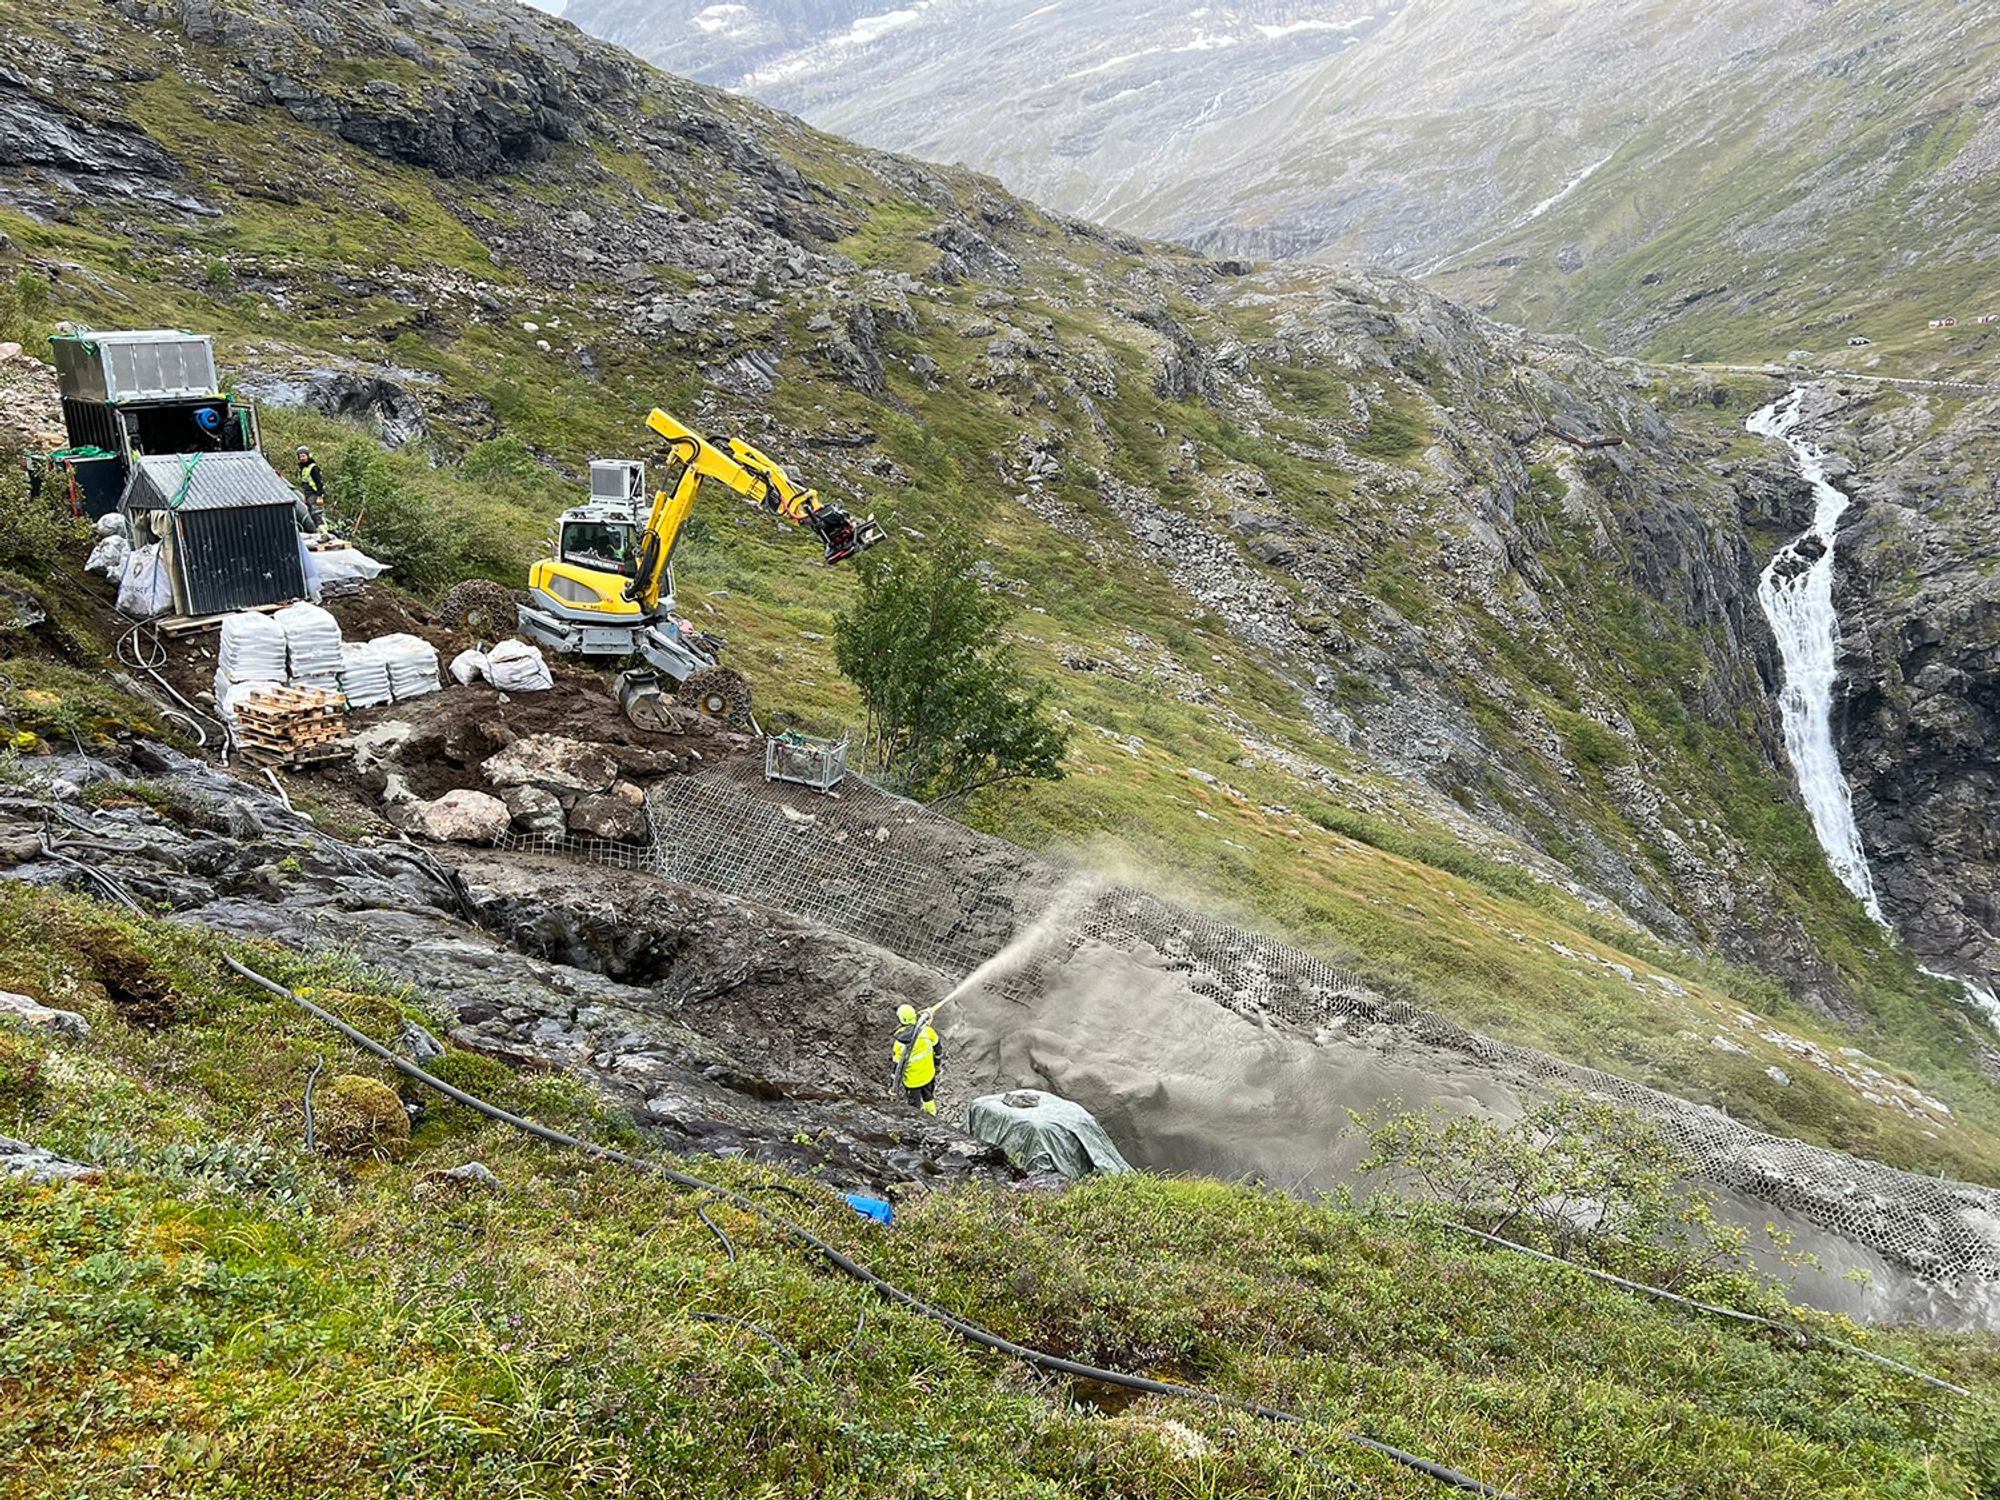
[[887, 871], [599, 851]]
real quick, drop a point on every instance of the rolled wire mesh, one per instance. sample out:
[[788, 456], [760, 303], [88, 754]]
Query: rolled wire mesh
[[893, 874]]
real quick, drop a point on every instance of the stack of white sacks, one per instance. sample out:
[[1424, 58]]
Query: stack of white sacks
[[301, 646], [412, 662], [364, 676], [312, 646], [252, 659]]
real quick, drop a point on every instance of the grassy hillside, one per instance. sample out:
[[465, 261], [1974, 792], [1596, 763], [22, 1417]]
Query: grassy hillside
[[225, 1309], [1240, 724]]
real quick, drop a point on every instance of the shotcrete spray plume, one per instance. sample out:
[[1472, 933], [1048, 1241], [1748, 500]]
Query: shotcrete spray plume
[[1036, 942]]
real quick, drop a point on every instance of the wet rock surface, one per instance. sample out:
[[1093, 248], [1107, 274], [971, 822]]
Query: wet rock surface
[[723, 1028], [1919, 600]]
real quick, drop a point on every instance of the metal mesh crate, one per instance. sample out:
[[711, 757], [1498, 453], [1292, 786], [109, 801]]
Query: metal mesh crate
[[805, 761]]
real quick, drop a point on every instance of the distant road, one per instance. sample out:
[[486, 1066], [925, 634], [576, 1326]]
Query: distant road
[[1794, 372]]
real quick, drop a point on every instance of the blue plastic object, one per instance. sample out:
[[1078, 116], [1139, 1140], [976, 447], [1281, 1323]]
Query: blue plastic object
[[872, 1208]]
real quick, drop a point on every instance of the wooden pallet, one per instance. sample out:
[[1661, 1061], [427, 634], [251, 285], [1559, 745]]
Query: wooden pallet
[[283, 742], [293, 759], [195, 624], [293, 704], [292, 726]]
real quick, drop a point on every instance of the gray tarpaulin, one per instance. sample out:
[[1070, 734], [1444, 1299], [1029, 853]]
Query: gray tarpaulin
[[1042, 1133]]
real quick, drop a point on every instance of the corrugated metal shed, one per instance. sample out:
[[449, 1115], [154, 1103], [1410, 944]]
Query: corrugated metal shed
[[233, 540], [206, 481]]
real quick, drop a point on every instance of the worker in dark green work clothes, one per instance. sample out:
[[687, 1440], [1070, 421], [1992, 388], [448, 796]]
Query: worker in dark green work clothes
[[917, 1052], [312, 484]]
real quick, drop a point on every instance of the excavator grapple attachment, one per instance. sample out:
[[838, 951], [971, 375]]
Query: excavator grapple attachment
[[845, 538]]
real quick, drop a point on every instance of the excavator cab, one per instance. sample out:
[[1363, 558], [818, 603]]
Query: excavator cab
[[602, 545]]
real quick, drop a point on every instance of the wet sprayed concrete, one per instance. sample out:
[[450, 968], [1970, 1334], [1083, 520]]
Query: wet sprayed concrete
[[1186, 1086]]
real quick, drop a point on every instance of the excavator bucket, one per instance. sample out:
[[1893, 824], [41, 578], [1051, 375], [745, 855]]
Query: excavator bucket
[[653, 701], [648, 702]]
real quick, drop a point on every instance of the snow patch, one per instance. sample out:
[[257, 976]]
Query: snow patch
[[864, 31], [721, 20], [1293, 28], [1565, 190]]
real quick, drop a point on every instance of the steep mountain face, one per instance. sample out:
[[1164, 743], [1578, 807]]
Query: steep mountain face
[[1737, 179], [1357, 622], [1095, 108], [1920, 590]]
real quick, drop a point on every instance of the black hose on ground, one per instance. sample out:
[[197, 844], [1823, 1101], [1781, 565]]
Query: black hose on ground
[[972, 1333], [312, 1135], [728, 1248]]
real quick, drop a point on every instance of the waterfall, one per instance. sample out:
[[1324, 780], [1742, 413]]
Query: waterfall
[[1797, 594]]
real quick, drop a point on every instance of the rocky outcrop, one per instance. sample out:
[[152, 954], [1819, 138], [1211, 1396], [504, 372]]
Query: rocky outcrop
[[489, 84], [379, 401], [36, 130], [1919, 729], [682, 1007]]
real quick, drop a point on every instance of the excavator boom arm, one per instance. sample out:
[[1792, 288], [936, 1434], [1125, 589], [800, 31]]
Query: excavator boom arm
[[761, 482]]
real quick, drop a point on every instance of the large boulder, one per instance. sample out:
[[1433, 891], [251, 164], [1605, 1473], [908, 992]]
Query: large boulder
[[537, 813], [567, 767], [462, 817], [619, 814], [19, 1010]]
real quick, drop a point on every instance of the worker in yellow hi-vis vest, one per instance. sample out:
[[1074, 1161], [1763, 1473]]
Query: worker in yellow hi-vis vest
[[917, 1053]]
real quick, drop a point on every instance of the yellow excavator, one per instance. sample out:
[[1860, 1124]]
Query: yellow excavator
[[607, 588]]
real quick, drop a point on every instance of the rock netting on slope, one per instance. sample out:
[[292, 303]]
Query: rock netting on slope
[[887, 871]]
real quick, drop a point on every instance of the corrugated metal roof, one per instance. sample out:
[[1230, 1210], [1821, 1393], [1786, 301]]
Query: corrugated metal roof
[[212, 481]]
